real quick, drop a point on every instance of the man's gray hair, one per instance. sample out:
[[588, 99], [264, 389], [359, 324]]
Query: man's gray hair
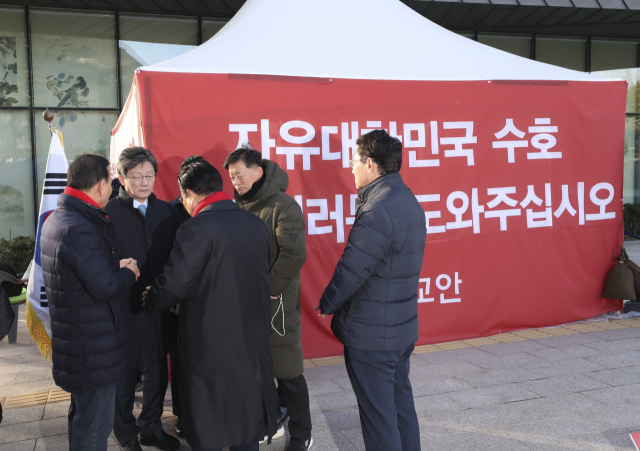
[[133, 156]]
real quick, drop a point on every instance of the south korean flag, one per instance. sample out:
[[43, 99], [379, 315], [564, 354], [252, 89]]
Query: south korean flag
[[37, 312]]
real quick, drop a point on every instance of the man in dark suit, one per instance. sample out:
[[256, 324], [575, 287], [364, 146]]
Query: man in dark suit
[[145, 229], [219, 274]]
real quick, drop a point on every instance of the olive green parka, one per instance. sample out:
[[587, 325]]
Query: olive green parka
[[283, 217]]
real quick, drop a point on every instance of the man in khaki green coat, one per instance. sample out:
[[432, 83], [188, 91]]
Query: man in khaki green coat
[[260, 188]]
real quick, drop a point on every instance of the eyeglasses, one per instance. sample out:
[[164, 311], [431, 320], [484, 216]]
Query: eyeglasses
[[352, 163], [138, 178]]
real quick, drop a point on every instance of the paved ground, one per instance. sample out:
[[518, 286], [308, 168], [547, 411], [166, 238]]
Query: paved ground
[[572, 388]]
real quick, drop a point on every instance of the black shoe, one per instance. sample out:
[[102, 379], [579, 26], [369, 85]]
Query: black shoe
[[298, 444], [178, 428], [161, 440], [132, 445]]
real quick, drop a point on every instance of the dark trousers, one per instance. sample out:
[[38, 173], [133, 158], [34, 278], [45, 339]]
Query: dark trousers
[[380, 380], [91, 419], [295, 394], [156, 378], [252, 447], [174, 357]]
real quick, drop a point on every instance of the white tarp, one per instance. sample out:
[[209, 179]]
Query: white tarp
[[357, 39]]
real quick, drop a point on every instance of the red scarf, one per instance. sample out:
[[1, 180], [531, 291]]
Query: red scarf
[[210, 199], [82, 196]]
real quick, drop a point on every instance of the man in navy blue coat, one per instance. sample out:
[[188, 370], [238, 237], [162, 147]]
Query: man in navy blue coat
[[87, 288], [145, 230], [373, 295]]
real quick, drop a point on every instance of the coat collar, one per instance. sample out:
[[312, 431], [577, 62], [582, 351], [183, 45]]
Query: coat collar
[[91, 212], [378, 184], [210, 199], [124, 197]]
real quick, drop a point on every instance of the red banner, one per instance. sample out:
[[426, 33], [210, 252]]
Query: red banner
[[521, 182]]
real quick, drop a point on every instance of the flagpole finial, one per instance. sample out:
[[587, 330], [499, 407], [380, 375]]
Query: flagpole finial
[[48, 116]]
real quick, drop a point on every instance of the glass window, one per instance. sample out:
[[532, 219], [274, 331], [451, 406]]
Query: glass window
[[608, 54], [74, 59], [512, 43], [210, 27], [466, 34], [16, 175], [562, 51], [14, 76], [82, 132], [147, 40], [630, 191], [632, 75]]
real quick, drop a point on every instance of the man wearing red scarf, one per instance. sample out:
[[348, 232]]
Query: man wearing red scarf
[[218, 272]]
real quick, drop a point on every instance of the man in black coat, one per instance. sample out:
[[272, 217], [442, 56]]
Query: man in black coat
[[373, 295], [218, 272], [87, 288], [145, 229]]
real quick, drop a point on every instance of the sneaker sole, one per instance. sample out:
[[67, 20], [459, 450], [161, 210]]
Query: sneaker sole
[[279, 433]]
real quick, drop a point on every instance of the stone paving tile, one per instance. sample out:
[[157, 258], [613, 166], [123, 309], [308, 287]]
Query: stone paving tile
[[566, 352], [617, 376], [336, 419], [443, 370], [35, 429], [462, 354], [26, 388], [429, 386], [31, 376], [24, 415], [567, 340], [25, 445], [488, 396], [608, 441], [498, 377], [322, 386], [355, 438], [10, 359], [617, 346], [55, 410], [513, 347], [506, 361], [611, 360], [617, 396], [555, 406], [475, 441], [560, 385], [335, 401], [566, 427], [615, 417], [616, 334], [432, 403], [472, 420], [571, 366]]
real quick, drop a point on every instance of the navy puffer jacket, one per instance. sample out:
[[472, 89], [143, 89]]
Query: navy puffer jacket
[[92, 339], [373, 292]]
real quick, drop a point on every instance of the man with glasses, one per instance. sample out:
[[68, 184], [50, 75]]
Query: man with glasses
[[373, 295], [145, 230]]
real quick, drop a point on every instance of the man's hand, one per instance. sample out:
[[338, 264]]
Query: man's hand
[[133, 266], [125, 261], [175, 309], [273, 297], [317, 309], [144, 296]]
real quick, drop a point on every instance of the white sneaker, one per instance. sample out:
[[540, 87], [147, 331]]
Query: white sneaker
[[279, 433]]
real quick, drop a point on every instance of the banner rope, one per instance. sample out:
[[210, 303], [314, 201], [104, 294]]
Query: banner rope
[[37, 332]]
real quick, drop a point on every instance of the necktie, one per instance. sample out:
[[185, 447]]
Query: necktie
[[142, 209]]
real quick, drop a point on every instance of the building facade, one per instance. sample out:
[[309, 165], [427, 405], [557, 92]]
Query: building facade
[[78, 57]]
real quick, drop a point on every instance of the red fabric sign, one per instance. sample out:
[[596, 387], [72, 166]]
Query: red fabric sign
[[521, 183]]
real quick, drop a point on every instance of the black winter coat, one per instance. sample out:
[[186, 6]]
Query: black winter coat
[[149, 240], [91, 336], [219, 273], [373, 292]]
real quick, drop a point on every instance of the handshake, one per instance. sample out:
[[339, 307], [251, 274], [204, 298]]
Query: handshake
[[131, 264]]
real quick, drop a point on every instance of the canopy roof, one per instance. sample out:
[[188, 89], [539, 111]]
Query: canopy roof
[[357, 39]]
